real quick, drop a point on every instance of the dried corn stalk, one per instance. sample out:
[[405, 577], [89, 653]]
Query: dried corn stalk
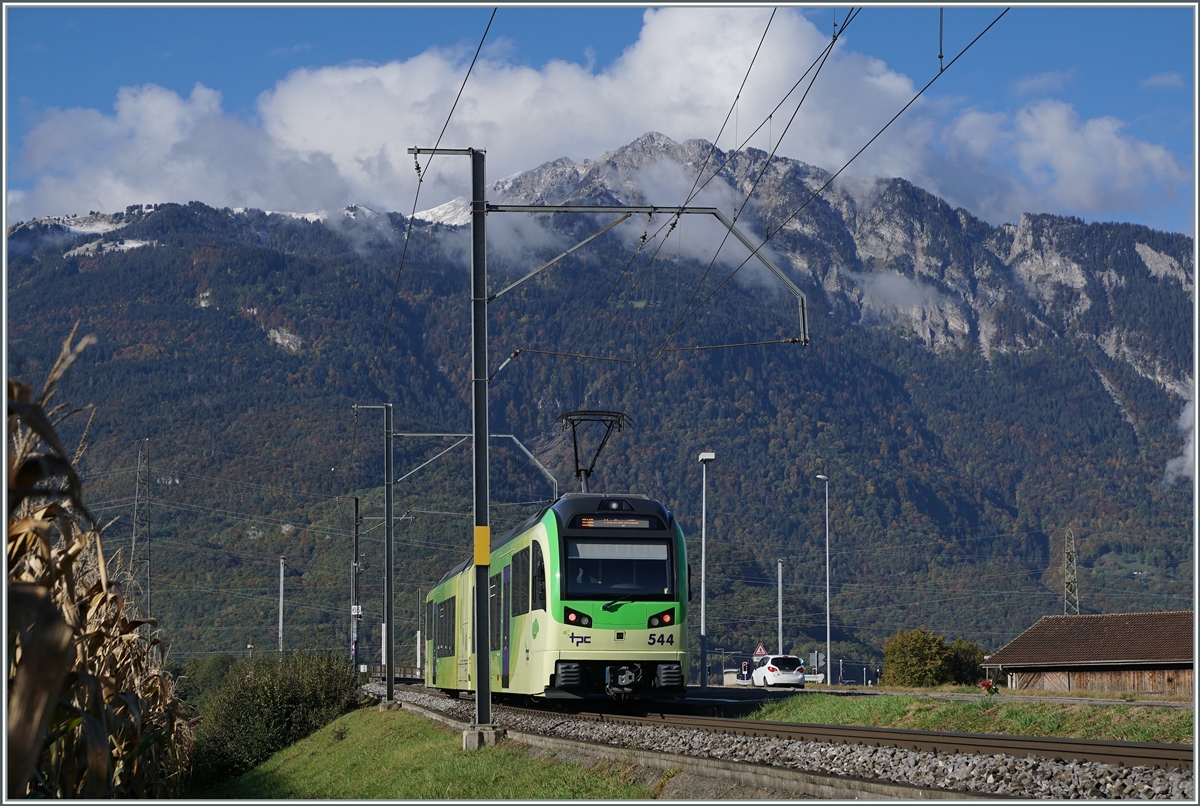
[[89, 717]]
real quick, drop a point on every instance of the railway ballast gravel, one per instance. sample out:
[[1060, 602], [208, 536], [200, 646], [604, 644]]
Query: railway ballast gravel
[[995, 774]]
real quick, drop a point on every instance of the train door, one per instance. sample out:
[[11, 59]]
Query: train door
[[463, 626], [430, 646], [506, 637]]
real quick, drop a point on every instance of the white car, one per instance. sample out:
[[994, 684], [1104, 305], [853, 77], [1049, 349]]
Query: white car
[[779, 670]]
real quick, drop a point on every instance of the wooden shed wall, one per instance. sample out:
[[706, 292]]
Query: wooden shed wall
[[1144, 681]]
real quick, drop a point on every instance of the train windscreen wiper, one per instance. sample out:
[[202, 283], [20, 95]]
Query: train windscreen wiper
[[620, 600]]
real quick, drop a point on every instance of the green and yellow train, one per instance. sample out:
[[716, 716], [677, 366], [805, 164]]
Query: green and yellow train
[[588, 598]]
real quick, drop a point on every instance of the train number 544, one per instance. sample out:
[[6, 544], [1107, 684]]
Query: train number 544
[[660, 639]]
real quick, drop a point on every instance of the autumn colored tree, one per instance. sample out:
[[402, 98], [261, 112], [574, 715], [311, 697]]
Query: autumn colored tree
[[915, 658]]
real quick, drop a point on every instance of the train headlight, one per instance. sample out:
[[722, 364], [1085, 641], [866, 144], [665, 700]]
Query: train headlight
[[664, 619], [575, 617]]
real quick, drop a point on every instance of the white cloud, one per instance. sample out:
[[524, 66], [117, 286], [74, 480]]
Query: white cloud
[[1184, 465], [1044, 158], [1041, 83], [1088, 165], [293, 50], [1167, 80], [157, 146], [329, 136], [334, 135]]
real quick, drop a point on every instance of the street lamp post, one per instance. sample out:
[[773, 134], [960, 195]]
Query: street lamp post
[[780, 623], [827, 642], [705, 458]]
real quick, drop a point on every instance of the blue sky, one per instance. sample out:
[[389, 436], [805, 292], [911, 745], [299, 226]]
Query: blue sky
[[1081, 111]]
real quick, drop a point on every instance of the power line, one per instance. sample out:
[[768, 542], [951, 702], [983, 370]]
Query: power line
[[674, 220], [420, 180], [823, 58], [692, 193], [252, 486], [241, 595], [652, 355], [672, 223], [227, 513]]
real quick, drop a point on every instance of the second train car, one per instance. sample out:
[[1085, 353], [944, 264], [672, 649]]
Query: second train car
[[588, 598]]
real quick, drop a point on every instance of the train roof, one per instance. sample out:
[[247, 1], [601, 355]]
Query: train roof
[[577, 503], [570, 504]]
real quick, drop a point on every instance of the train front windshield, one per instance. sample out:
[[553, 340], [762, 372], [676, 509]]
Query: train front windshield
[[598, 568]]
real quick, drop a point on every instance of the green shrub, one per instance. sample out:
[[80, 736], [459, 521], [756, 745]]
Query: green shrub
[[921, 658], [965, 659], [201, 677], [264, 705]]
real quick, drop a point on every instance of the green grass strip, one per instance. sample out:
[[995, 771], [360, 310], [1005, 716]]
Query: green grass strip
[[392, 755], [1131, 723]]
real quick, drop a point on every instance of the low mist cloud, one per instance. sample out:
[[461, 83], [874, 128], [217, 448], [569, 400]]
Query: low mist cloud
[[886, 292], [697, 237], [1184, 465]]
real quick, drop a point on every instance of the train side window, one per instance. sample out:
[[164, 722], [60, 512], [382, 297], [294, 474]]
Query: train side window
[[439, 611], [538, 601], [520, 582], [494, 613], [443, 614]]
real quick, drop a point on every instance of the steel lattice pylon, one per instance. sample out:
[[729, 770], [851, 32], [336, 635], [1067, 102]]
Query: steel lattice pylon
[[141, 521], [1070, 577]]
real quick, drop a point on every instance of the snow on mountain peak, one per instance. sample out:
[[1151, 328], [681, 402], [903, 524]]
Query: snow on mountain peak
[[454, 213]]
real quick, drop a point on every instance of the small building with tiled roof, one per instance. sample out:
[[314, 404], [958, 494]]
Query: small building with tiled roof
[[1146, 653]]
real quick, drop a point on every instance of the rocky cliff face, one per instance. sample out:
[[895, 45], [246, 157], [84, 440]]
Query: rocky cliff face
[[886, 252], [897, 256]]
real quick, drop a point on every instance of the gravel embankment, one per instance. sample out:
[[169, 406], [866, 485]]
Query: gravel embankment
[[995, 774]]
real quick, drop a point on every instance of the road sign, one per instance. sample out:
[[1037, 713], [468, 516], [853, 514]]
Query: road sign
[[761, 652]]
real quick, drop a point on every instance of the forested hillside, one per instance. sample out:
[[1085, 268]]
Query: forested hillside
[[968, 406]]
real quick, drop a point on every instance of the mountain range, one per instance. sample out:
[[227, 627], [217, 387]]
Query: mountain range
[[973, 392]]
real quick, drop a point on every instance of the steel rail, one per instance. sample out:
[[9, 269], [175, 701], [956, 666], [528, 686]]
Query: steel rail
[[1131, 754]]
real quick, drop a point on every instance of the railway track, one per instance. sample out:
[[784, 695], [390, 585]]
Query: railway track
[[835, 762], [1131, 754]]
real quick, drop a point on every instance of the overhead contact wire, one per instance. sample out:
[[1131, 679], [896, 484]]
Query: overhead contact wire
[[817, 63], [417, 196], [700, 174], [767, 164], [797, 212], [674, 220]]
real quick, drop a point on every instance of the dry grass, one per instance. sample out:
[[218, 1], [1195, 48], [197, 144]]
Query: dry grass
[[89, 716]]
